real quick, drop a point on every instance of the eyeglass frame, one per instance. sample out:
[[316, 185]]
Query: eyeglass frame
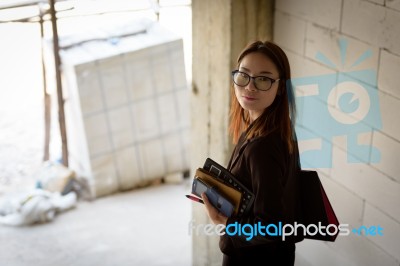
[[252, 78]]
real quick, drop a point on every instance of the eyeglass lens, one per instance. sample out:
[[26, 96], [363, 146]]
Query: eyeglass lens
[[243, 79]]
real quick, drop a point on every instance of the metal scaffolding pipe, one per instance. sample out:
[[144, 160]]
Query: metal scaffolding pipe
[[60, 98]]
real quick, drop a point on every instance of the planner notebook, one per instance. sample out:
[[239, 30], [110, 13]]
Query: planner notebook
[[231, 187]]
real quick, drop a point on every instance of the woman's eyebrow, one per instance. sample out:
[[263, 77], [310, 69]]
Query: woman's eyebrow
[[262, 72]]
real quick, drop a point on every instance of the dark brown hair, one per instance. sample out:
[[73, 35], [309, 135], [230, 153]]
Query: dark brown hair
[[280, 114]]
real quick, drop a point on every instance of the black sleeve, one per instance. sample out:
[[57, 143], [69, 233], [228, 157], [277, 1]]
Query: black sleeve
[[265, 163]]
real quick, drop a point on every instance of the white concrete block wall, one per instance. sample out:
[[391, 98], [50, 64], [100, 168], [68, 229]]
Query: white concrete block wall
[[380, 2], [373, 23], [389, 149], [389, 243], [367, 183], [358, 250], [394, 4], [303, 66], [315, 254], [293, 37], [323, 40], [366, 193], [326, 12], [390, 105], [389, 69]]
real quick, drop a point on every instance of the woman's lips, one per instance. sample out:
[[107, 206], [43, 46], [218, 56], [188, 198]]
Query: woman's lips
[[249, 98]]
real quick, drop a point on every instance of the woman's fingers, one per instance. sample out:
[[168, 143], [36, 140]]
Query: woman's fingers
[[214, 214], [204, 197]]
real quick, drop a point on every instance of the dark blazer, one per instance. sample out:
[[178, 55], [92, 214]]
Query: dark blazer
[[264, 165]]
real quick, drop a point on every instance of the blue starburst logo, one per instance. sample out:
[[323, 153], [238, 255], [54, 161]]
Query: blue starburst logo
[[345, 103]]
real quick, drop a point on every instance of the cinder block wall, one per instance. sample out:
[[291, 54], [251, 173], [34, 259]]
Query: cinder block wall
[[361, 193]]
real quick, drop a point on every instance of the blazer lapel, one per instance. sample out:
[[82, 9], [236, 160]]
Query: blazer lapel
[[237, 153]]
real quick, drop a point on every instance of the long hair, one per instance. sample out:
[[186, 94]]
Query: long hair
[[280, 115]]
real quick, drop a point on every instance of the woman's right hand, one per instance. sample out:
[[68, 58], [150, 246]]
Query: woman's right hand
[[212, 212]]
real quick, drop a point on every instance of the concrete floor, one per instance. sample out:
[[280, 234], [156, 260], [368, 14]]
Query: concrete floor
[[147, 226]]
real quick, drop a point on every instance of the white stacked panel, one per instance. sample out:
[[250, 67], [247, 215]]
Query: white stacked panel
[[134, 111]]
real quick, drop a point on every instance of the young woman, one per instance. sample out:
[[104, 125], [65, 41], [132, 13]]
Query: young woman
[[265, 158]]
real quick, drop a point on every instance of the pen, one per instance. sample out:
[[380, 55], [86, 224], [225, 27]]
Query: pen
[[195, 198]]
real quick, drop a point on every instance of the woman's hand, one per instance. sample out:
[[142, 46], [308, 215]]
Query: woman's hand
[[215, 216]]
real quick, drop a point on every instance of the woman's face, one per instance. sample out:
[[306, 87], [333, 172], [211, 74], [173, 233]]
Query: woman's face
[[250, 98]]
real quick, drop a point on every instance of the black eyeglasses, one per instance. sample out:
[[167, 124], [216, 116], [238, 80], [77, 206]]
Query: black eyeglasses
[[261, 83]]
